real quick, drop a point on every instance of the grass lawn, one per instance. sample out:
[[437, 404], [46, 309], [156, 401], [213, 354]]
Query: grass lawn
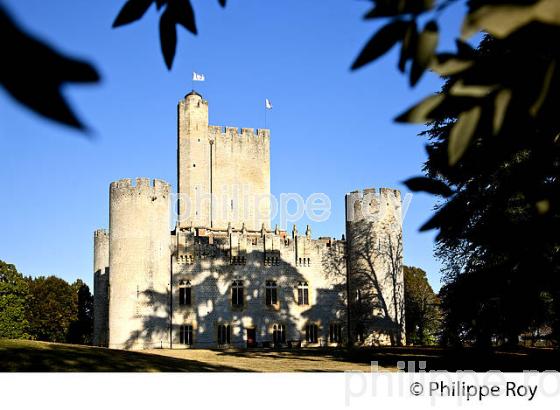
[[22, 355]]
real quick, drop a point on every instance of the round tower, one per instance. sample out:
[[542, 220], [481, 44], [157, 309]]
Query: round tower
[[100, 287], [139, 257], [193, 161], [375, 267]]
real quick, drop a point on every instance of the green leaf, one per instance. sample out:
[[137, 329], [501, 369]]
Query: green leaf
[[420, 113], [425, 50], [183, 14], [501, 102], [429, 185], [34, 73], [391, 8], [502, 20], [132, 10], [459, 89], [446, 64], [168, 37], [535, 108], [381, 42], [408, 45], [543, 206], [465, 50], [462, 133]]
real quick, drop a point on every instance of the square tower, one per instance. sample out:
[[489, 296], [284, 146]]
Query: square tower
[[223, 173]]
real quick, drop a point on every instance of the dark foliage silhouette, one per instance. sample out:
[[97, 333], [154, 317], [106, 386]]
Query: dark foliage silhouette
[[175, 12], [33, 73]]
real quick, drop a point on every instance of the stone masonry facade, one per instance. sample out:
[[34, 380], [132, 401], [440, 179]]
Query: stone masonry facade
[[221, 276]]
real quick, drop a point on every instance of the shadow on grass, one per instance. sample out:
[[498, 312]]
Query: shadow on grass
[[436, 358], [27, 356]]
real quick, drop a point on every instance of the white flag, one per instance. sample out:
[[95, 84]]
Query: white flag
[[267, 104], [197, 77]]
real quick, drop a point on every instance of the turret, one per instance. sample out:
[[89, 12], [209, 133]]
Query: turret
[[374, 268], [100, 287], [193, 161], [139, 256]]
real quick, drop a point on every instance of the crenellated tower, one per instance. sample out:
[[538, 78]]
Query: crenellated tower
[[375, 266], [140, 259], [100, 287], [223, 172]]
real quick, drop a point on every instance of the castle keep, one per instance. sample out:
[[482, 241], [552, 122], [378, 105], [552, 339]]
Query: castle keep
[[221, 276]]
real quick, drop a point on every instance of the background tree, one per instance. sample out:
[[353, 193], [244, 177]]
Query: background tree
[[81, 330], [52, 308], [14, 295], [422, 310], [494, 158]]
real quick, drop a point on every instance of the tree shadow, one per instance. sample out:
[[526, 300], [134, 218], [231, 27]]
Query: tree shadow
[[211, 273], [27, 356]]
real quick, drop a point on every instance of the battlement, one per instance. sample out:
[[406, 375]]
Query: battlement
[[371, 203], [141, 183], [227, 132], [100, 233], [373, 192], [193, 96]]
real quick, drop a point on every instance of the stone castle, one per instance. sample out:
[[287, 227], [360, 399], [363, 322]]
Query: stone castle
[[220, 276]]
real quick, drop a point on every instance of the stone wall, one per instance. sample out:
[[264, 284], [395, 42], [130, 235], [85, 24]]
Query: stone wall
[[375, 266], [100, 287], [215, 260], [224, 172], [139, 257]]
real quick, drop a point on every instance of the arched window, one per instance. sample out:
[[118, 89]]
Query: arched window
[[185, 296], [224, 334], [186, 335], [271, 292], [278, 334], [311, 331], [303, 293], [237, 293]]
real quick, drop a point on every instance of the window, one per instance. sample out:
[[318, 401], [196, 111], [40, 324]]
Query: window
[[311, 333], [271, 292], [185, 298], [335, 333], [237, 293], [223, 334], [360, 332], [278, 334], [358, 296], [303, 293], [186, 335]]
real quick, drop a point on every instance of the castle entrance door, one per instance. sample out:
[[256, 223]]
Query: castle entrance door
[[251, 337]]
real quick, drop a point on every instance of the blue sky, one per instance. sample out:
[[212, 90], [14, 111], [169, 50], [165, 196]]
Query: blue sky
[[332, 130]]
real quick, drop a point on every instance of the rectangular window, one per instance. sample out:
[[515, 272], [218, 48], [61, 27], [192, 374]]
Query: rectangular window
[[223, 334], [185, 296], [271, 292], [303, 293], [237, 293], [186, 335], [335, 333], [311, 333], [278, 334], [360, 332]]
